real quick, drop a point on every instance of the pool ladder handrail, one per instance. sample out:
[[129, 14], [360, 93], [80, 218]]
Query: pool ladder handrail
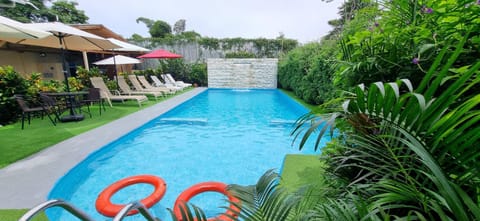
[[53, 203], [83, 216], [135, 206]]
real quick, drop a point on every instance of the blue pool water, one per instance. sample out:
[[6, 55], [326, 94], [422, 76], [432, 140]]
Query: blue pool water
[[231, 136]]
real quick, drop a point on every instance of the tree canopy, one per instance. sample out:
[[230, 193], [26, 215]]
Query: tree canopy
[[62, 11], [160, 29]]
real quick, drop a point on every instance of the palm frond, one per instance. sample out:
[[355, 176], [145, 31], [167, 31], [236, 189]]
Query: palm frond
[[264, 201]]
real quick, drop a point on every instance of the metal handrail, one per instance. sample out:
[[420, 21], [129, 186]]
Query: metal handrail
[[53, 203], [135, 206]]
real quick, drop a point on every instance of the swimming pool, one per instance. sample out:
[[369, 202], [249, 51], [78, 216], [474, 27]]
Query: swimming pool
[[231, 136]]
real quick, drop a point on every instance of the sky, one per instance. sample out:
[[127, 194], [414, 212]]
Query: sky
[[303, 20]]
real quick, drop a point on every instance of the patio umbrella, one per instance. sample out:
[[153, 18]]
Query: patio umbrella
[[70, 38], [127, 47], [117, 60], [11, 29], [160, 53]]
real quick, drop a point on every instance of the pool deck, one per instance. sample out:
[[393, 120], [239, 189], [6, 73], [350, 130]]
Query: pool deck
[[27, 182]]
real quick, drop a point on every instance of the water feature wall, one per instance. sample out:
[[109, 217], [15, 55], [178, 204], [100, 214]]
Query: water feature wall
[[242, 73]]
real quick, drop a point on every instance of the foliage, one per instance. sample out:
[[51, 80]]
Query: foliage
[[197, 75], [307, 72], [148, 22], [75, 84], [188, 36], [67, 13], [240, 54], [396, 39], [410, 154], [160, 29], [11, 83], [264, 201], [27, 13], [84, 75]]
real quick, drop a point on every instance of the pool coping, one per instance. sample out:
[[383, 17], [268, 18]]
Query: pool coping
[[27, 182]]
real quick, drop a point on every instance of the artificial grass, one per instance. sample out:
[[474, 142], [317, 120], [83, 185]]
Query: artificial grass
[[17, 144], [15, 214], [300, 169]]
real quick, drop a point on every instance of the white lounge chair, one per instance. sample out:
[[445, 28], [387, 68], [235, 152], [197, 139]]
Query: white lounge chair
[[139, 87], [147, 85], [158, 83], [105, 93], [175, 82], [125, 88]]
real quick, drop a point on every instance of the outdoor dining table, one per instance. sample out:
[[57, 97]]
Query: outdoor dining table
[[72, 101]]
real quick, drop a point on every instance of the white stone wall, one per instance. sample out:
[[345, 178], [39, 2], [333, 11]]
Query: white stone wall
[[242, 73]]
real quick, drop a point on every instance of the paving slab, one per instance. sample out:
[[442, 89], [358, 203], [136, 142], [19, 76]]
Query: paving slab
[[27, 182]]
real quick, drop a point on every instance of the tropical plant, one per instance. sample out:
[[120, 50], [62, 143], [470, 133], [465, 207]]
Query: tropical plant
[[410, 154], [11, 83]]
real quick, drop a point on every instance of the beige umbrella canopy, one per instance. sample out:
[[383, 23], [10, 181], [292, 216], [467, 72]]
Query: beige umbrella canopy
[[11, 29], [70, 38], [66, 37]]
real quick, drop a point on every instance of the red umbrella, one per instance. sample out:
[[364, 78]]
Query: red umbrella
[[160, 54]]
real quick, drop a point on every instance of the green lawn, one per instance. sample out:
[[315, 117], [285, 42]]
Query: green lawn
[[41, 133], [299, 170], [15, 214]]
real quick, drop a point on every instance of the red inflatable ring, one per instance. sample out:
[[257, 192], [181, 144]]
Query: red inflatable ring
[[186, 195], [105, 206]]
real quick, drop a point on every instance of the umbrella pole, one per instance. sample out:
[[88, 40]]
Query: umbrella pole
[[70, 98], [115, 69], [64, 66]]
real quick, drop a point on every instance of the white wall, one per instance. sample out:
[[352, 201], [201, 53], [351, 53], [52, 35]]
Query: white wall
[[242, 73]]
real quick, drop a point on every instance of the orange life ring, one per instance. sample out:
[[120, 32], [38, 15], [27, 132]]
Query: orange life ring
[[198, 188], [105, 206]]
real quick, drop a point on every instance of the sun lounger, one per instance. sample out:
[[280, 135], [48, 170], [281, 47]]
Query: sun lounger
[[159, 83], [98, 82], [147, 85], [168, 77], [125, 88], [139, 87]]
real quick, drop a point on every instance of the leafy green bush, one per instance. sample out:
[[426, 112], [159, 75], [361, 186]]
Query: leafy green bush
[[84, 75], [198, 74], [308, 73], [239, 54], [181, 71], [11, 83]]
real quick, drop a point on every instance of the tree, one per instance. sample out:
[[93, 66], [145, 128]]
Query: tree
[[64, 10], [179, 26], [160, 29], [67, 13], [26, 12], [148, 22]]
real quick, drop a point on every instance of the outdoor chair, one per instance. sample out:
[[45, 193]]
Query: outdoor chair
[[168, 78], [106, 94], [158, 83], [125, 88], [94, 96], [147, 85], [27, 110], [138, 86]]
